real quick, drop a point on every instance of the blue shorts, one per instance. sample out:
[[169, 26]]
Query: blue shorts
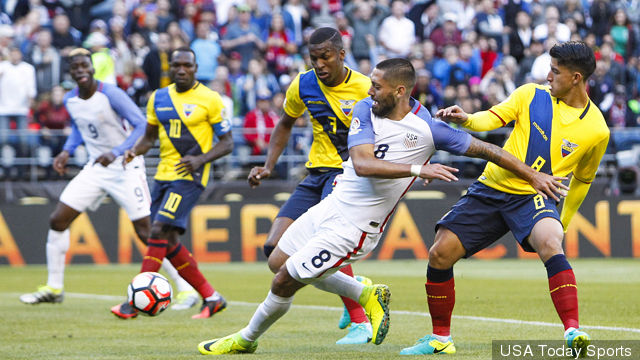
[[172, 201], [315, 187], [484, 215]]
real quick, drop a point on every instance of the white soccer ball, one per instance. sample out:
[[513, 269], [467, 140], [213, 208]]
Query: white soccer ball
[[149, 293]]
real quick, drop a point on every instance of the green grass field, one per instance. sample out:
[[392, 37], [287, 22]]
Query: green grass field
[[496, 300]]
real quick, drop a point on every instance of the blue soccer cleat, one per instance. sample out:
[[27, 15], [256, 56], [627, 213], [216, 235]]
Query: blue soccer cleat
[[578, 341], [429, 345], [358, 334]]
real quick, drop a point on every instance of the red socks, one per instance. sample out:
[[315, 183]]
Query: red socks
[[564, 294], [441, 297], [156, 250], [187, 267], [356, 312], [563, 289]]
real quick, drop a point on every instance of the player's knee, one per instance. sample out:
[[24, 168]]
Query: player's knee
[[143, 234], [57, 223], [283, 284]]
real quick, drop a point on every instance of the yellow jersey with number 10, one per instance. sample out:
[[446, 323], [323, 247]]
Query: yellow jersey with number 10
[[186, 123]]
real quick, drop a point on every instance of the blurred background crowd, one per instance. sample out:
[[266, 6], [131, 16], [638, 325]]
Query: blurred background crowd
[[473, 53]]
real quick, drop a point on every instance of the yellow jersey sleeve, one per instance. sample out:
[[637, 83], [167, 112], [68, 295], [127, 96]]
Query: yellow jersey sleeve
[[151, 110], [588, 166], [293, 104], [502, 114], [216, 109]]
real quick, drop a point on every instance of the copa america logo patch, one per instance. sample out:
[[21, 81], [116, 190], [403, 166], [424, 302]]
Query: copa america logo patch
[[347, 106], [410, 140], [188, 109], [355, 126], [567, 147]]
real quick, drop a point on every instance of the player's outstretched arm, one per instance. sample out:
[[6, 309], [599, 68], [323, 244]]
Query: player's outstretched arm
[[143, 144], [279, 139], [367, 165], [543, 184], [453, 114]]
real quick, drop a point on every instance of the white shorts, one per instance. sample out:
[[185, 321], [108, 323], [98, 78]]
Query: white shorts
[[321, 241], [128, 188]]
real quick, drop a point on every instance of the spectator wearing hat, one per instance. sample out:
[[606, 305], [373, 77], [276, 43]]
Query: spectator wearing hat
[[243, 36], [101, 58], [446, 34], [259, 123]]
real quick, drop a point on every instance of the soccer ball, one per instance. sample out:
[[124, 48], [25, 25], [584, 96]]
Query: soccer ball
[[150, 293]]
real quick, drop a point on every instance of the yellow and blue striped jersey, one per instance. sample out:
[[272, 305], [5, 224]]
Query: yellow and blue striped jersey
[[548, 135], [330, 110], [186, 122]]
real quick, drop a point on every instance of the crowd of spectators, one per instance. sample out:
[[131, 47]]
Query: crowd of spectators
[[473, 53]]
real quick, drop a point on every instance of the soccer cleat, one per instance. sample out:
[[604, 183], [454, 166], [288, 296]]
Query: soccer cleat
[[358, 334], [124, 311], [185, 300], [45, 294], [231, 344], [578, 341], [429, 345], [377, 310], [209, 308], [345, 320]]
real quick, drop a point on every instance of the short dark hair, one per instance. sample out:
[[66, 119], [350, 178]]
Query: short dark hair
[[326, 34], [398, 71], [183, 49], [575, 55]]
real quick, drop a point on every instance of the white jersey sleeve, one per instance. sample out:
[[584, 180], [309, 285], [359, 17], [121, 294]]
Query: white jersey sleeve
[[99, 122], [369, 202]]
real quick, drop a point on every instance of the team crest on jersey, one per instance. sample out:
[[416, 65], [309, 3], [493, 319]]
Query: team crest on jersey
[[410, 140], [567, 147], [355, 126], [188, 109], [347, 106]]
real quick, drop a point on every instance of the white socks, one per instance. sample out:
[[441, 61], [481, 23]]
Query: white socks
[[57, 246], [341, 284], [180, 283], [268, 312]]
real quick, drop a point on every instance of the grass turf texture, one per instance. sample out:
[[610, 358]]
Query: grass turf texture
[[82, 326]]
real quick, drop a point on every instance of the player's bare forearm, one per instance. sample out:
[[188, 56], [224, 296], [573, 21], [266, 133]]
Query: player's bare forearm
[[146, 141], [366, 164], [279, 139], [223, 147], [544, 184]]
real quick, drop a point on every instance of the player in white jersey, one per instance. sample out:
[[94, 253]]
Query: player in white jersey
[[389, 147], [98, 111]]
